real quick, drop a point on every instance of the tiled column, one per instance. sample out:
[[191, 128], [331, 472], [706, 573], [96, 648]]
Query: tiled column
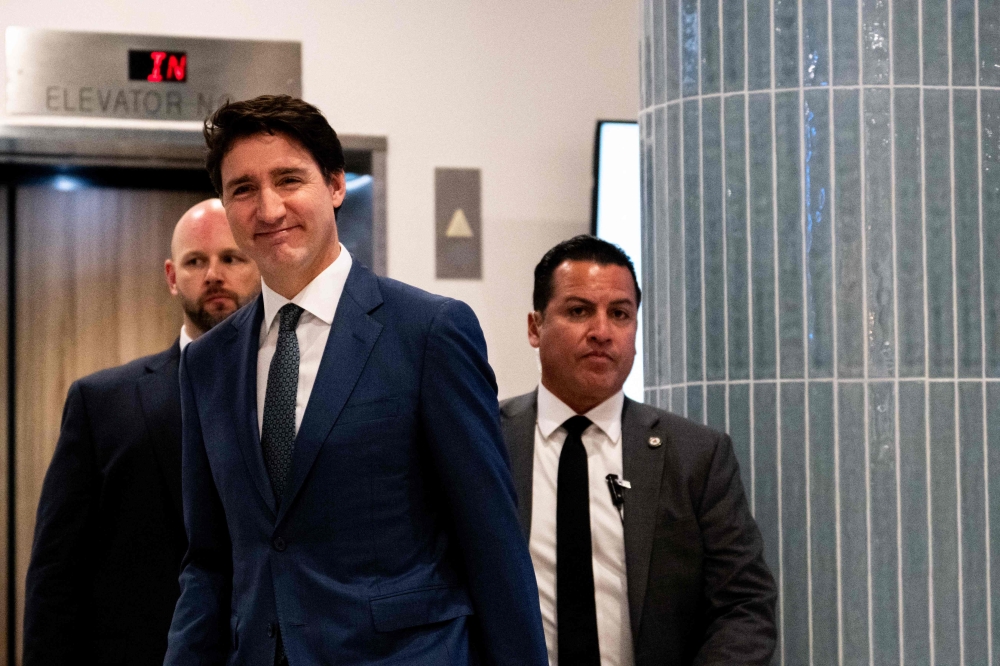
[[821, 237]]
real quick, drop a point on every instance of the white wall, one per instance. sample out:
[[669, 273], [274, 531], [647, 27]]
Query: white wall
[[511, 87]]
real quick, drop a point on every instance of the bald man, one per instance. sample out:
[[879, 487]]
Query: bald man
[[109, 537]]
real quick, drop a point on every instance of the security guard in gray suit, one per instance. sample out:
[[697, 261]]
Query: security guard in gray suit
[[643, 544]]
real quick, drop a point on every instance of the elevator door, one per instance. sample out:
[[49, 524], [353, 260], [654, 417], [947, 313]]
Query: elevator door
[[90, 294]]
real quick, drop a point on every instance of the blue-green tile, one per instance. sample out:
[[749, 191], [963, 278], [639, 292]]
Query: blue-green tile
[[733, 46], [913, 517], [967, 305], [758, 16], [794, 531], [878, 223], [973, 494], [875, 41], [963, 43], [935, 41], [818, 237], [712, 239], [790, 316], [884, 547], [736, 240], [762, 238], [845, 42], [853, 524], [692, 242], [937, 160], [848, 250], [909, 235], [710, 47], [815, 43], [905, 42], [944, 519]]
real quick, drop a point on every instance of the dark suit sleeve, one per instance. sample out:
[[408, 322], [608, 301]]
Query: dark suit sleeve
[[739, 589], [199, 632], [460, 415], [56, 591]]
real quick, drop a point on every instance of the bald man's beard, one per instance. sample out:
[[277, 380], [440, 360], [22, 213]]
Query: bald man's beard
[[205, 319]]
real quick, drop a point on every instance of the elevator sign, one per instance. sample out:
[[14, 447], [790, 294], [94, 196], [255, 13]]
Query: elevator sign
[[51, 72]]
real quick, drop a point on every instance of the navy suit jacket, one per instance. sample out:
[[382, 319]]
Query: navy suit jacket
[[397, 538], [102, 581]]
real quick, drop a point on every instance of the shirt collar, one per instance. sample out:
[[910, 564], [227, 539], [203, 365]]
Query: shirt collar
[[553, 412], [319, 298], [185, 338]]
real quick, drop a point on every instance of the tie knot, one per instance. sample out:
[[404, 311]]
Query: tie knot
[[576, 425], [288, 317]]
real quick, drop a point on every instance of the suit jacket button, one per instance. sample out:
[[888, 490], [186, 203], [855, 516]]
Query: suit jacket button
[[279, 544], [271, 630]]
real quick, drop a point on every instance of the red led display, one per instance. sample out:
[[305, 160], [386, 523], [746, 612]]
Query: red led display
[[157, 66]]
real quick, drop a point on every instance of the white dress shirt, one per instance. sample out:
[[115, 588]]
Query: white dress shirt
[[319, 300], [185, 338], [603, 442]]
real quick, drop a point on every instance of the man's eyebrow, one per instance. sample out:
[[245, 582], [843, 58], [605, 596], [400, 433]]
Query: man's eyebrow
[[622, 301], [284, 171], [579, 299], [236, 181]]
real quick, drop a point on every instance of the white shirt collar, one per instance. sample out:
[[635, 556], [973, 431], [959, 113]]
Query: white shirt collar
[[553, 412], [185, 338], [319, 298]]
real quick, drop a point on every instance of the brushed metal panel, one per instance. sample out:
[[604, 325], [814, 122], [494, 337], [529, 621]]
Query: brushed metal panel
[[52, 72]]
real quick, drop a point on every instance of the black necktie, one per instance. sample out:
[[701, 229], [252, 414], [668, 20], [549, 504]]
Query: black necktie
[[576, 612], [277, 436]]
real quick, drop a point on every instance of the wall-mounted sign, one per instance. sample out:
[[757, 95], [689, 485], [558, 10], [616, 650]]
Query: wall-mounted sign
[[458, 224], [51, 72]]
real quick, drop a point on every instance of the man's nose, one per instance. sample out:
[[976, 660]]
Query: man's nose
[[214, 272], [271, 207], [600, 329]]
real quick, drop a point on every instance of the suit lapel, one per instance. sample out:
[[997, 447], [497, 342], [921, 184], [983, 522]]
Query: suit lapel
[[519, 433], [244, 380], [352, 337], [159, 397], [643, 468]]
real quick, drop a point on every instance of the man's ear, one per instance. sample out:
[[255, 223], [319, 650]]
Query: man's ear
[[535, 320], [171, 272], [338, 187]]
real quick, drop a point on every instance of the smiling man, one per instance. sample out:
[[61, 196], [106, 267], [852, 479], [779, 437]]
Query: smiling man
[[102, 581], [347, 493], [643, 545]]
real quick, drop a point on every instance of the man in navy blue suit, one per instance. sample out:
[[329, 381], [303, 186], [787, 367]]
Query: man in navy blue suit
[[347, 493]]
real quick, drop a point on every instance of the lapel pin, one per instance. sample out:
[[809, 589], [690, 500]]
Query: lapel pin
[[654, 442]]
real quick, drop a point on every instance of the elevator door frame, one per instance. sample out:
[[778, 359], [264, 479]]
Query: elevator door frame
[[59, 145]]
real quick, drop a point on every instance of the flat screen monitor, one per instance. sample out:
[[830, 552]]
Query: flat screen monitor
[[615, 207]]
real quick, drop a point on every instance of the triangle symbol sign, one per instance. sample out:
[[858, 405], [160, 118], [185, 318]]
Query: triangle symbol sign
[[458, 227]]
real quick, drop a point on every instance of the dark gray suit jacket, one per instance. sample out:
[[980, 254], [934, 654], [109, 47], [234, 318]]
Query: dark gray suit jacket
[[699, 591]]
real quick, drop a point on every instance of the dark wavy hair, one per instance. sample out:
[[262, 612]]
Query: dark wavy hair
[[271, 114], [578, 248]]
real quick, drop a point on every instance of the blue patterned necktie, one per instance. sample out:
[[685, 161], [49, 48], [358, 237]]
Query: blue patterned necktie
[[277, 436]]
